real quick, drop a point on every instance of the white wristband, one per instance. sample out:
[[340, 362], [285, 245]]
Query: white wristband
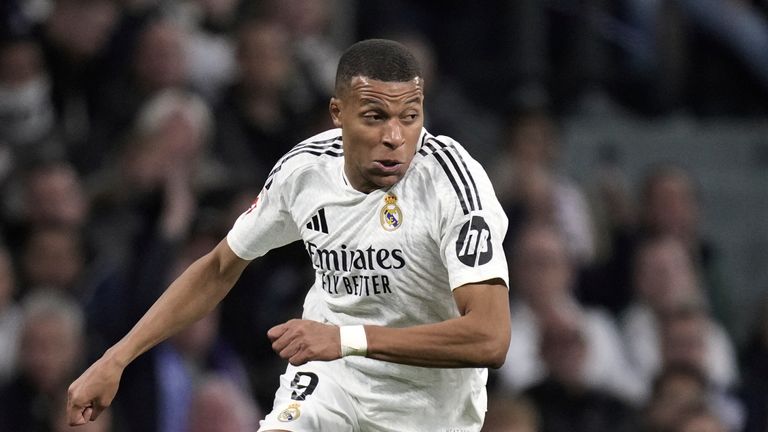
[[353, 341]]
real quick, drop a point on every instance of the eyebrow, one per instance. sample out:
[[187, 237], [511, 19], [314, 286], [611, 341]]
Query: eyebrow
[[414, 99], [367, 101]]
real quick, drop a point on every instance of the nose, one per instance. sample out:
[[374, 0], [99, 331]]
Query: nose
[[393, 134]]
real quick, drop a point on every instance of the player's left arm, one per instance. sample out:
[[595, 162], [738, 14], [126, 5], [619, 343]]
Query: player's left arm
[[479, 337]]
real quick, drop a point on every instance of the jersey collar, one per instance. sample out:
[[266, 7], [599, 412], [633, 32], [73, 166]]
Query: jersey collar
[[422, 138]]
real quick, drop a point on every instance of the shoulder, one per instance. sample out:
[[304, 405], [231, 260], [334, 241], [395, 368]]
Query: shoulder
[[449, 166], [444, 154], [321, 147]]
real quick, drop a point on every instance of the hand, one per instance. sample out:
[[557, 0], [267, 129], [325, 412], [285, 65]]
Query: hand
[[300, 341], [93, 392]]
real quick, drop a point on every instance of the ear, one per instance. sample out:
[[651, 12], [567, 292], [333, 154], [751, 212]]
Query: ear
[[335, 108]]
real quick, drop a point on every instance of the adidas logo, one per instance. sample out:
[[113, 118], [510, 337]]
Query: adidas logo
[[318, 222]]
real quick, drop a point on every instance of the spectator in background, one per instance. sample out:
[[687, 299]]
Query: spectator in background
[[53, 194], [53, 257], [145, 208], [158, 66], [754, 384], [309, 25], [159, 60], [684, 332], [542, 279], [565, 399], [208, 46], [44, 193], [26, 110], [156, 176], [677, 33], [665, 280], [260, 114], [74, 39], [700, 420], [161, 387], [508, 414], [448, 109], [247, 311], [669, 206], [676, 390], [10, 317], [160, 390], [530, 188], [50, 353], [219, 405]]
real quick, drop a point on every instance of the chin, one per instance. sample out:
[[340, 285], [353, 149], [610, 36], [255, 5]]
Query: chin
[[387, 181]]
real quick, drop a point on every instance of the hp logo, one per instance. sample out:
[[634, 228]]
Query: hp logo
[[473, 247]]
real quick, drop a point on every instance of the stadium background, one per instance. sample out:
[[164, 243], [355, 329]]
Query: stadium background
[[132, 133]]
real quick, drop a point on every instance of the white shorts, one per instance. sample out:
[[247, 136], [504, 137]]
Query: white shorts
[[337, 397]]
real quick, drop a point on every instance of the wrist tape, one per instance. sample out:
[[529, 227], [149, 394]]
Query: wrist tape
[[353, 341]]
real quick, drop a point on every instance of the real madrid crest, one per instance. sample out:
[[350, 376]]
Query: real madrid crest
[[290, 414], [391, 216]]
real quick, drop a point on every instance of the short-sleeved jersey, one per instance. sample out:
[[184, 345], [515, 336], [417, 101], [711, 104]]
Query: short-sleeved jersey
[[390, 257]]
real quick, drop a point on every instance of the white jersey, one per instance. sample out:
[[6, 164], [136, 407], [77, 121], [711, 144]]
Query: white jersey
[[389, 258]]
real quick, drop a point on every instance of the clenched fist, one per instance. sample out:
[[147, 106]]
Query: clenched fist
[[300, 341]]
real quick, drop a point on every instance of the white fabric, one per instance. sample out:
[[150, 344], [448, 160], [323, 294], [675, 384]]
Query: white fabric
[[368, 274]]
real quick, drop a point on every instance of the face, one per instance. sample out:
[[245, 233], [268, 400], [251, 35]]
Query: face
[[53, 258], [20, 63], [50, 348], [56, 196], [534, 140], [684, 341], [160, 61], [663, 274], [541, 267], [672, 206], [264, 57], [381, 123], [675, 396], [83, 28], [704, 422]]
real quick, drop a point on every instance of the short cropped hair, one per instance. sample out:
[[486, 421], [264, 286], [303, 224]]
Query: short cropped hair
[[379, 59]]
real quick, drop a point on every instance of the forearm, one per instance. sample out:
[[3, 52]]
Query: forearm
[[190, 297], [478, 338], [447, 344]]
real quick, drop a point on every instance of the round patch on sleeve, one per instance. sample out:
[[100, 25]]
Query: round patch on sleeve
[[473, 246]]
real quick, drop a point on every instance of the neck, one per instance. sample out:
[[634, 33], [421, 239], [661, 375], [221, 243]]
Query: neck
[[358, 182]]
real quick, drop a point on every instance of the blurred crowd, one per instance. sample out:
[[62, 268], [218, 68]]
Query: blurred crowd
[[134, 132]]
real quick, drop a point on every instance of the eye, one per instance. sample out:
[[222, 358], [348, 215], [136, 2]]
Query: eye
[[411, 117], [373, 117]]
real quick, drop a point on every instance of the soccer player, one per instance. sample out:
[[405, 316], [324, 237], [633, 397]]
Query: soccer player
[[410, 301]]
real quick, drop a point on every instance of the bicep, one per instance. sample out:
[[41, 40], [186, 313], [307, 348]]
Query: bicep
[[226, 262], [488, 299]]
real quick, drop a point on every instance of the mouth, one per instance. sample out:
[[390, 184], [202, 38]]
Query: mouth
[[387, 165]]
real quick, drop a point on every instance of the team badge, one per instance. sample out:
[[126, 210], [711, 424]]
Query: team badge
[[290, 414], [391, 216]]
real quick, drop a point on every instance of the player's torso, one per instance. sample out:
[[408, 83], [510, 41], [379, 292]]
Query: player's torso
[[375, 255]]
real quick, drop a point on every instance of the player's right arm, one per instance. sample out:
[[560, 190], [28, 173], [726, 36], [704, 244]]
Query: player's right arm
[[190, 297]]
